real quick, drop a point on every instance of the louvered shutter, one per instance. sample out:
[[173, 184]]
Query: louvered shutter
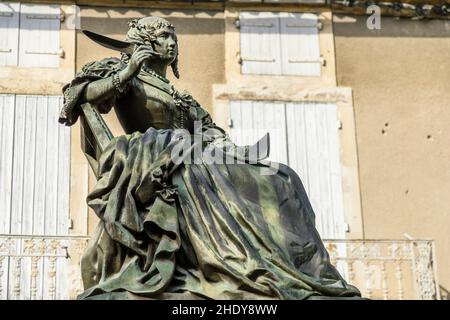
[[300, 51], [9, 33], [39, 35], [313, 144], [260, 43]]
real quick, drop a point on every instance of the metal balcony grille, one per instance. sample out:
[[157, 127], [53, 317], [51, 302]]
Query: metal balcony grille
[[42, 267]]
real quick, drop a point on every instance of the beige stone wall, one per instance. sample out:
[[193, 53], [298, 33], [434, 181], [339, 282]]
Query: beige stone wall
[[401, 87]]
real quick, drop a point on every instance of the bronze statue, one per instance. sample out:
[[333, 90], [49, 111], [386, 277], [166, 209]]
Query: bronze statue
[[180, 229]]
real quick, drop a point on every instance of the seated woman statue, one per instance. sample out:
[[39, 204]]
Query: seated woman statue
[[180, 229]]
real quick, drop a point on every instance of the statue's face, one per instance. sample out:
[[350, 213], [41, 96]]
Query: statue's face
[[166, 44]]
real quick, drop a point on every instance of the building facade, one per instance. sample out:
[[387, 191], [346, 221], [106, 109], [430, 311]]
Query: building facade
[[358, 112]]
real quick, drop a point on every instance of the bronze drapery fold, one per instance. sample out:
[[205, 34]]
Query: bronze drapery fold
[[210, 230]]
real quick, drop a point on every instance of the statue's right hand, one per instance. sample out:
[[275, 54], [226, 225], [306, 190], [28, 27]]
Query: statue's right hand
[[142, 53]]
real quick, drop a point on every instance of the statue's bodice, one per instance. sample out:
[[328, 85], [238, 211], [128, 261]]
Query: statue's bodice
[[150, 103]]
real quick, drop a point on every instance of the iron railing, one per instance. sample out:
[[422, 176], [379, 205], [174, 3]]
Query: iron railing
[[43, 267], [40, 267], [388, 269]]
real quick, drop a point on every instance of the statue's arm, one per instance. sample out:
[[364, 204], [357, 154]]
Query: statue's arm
[[106, 89], [100, 82]]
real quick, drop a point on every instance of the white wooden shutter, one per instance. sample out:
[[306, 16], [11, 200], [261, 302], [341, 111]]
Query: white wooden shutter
[[40, 156], [9, 33], [252, 120], [34, 168], [260, 43], [7, 103], [313, 143], [300, 51], [39, 35], [6, 159]]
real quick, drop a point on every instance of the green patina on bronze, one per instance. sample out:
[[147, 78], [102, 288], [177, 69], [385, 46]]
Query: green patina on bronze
[[185, 230]]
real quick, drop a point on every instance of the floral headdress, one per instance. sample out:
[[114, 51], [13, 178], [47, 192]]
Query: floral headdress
[[143, 31]]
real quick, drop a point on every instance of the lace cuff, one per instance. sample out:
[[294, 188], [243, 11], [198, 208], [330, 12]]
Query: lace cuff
[[121, 88]]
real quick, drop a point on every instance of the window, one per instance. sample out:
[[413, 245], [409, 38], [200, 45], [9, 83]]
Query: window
[[29, 35], [280, 43]]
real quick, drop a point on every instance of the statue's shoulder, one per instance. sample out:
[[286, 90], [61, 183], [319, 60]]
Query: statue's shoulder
[[102, 68]]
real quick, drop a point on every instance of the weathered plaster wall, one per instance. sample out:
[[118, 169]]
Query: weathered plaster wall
[[401, 86]]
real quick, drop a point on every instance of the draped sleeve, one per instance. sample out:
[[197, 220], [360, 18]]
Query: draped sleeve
[[73, 91]]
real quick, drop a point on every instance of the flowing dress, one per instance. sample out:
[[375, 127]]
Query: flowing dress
[[198, 229]]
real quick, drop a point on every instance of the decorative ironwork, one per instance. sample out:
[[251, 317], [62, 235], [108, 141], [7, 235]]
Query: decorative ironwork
[[382, 269], [388, 269], [32, 264]]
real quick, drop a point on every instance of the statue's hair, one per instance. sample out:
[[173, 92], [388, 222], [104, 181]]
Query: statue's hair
[[142, 31]]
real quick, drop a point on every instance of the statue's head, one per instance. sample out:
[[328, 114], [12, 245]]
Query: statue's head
[[160, 35]]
